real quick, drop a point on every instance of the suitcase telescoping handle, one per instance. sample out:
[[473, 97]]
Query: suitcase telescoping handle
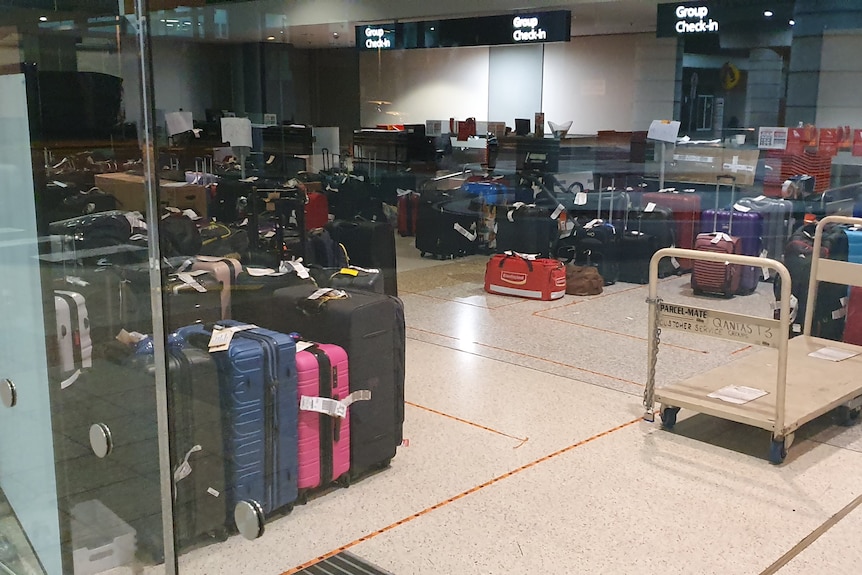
[[718, 179]]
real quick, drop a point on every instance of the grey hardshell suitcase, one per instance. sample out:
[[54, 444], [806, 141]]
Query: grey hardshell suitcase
[[778, 223]]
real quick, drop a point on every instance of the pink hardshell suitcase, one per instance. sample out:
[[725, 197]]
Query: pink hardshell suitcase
[[226, 270], [324, 440]]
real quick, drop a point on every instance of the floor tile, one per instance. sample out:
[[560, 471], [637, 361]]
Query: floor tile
[[836, 552], [638, 500]]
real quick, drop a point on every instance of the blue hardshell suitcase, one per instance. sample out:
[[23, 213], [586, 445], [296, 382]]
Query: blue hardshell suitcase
[[258, 378], [748, 227]]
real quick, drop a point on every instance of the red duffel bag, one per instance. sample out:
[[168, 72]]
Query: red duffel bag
[[525, 276]]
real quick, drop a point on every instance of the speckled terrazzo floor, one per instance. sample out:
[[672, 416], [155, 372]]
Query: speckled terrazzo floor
[[526, 453]]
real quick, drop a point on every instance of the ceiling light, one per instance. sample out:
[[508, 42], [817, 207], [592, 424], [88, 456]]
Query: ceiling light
[[43, 18], [432, 28], [767, 13], [173, 21], [270, 37], [792, 22]]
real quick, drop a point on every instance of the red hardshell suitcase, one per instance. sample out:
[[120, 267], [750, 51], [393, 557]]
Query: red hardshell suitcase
[[408, 208], [226, 270], [316, 210], [516, 275], [716, 277], [686, 217], [324, 440]]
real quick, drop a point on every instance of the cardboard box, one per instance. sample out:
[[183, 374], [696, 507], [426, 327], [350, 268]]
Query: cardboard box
[[131, 195], [703, 164]]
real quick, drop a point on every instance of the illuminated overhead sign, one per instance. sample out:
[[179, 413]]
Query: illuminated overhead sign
[[702, 18], [376, 37], [526, 28], [694, 20]]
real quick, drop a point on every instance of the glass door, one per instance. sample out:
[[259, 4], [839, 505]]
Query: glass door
[[79, 426]]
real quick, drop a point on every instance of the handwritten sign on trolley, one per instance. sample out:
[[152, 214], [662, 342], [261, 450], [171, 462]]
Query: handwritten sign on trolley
[[736, 327]]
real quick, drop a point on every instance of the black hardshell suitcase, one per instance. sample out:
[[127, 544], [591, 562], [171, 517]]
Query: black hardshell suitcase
[[369, 245], [526, 229], [370, 327], [200, 505], [645, 233], [254, 289], [192, 298]]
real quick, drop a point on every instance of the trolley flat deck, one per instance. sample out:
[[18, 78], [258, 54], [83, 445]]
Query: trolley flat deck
[[814, 386]]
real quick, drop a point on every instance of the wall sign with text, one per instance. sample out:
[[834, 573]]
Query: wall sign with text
[[685, 18], [525, 28]]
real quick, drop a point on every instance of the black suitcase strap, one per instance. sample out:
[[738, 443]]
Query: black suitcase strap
[[329, 426]]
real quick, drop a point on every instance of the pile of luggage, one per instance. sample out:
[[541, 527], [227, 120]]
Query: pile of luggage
[[286, 354]]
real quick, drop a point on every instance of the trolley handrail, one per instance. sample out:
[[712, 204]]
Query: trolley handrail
[[784, 316], [811, 300]]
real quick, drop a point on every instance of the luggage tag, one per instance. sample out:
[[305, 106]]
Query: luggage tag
[[581, 199], [720, 236], [331, 293], [270, 160], [650, 207], [366, 270], [556, 213], [76, 281], [184, 469], [222, 336], [59, 184], [188, 278], [399, 192], [249, 179], [589, 225], [465, 232], [740, 208], [333, 407], [294, 266], [759, 198], [191, 214], [765, 270]]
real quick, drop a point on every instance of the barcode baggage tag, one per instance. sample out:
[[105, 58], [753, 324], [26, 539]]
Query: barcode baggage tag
[[759, 198], [464, 232], [188, 278], [556, 214], [649, 207], [765, 270], [591, 224], [580, 199], [741, 208], [222, 336]]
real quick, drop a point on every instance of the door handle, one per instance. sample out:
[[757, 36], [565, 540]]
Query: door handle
[[101, 440], [8, 393]]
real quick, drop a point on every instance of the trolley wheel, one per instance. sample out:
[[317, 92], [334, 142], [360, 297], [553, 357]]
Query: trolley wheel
[[697, 291], [777, 451], [847, 416], [668, 417]]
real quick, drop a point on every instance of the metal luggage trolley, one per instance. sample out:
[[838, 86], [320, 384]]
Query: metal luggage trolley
[[799, 388]]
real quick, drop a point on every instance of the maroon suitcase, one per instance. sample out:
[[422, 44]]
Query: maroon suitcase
[[408, 208], [316, 211], [853, 320], [686, 217], [716, 277]]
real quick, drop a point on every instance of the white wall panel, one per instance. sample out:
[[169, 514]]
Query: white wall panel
[[418, 85], [838, 102]]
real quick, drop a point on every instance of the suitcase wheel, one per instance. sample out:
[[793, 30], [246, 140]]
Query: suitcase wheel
[[668, 417], [302, 498], [344, 481]]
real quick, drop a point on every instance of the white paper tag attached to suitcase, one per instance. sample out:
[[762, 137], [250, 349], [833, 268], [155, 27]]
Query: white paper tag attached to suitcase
[[222, 336], [333, 407]]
